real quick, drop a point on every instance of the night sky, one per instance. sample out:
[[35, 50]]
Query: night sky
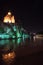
[[28, 13]]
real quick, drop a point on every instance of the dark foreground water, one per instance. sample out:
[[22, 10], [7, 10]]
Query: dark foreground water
[[21, 51]]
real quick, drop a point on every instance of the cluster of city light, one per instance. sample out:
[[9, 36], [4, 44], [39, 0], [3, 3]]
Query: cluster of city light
[[9, 18], [39, 36]]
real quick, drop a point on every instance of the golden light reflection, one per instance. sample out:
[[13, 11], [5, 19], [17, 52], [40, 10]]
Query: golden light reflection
[[9, 18], [9, 56]]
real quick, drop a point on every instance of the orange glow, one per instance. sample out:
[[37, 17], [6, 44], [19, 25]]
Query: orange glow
[[9, 13], [10, 56], [9, 18]]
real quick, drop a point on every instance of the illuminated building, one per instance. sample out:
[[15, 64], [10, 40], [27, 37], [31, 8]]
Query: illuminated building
[[9, 18], [9, 29]]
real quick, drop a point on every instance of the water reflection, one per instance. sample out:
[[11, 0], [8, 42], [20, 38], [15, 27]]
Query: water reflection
[[8, 57], [36, 41], [10, 44], [8, 48], [4, 42], [7, 45], [19, 40]]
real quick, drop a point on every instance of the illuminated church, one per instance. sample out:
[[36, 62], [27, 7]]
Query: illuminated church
[[9, 18], [12, 31]]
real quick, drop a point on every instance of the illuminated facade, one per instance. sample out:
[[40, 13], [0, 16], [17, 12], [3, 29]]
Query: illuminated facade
[[10, 30], [9, 18]]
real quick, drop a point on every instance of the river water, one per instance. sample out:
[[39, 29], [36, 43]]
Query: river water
[[21, 51]]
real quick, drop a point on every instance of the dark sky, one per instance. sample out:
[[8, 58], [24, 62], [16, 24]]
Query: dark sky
[[30, 13]]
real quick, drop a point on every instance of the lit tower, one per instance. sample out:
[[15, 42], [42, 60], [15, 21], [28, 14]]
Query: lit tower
[[9, 18]]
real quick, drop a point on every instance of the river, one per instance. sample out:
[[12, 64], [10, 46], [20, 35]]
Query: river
[[21, 51]]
